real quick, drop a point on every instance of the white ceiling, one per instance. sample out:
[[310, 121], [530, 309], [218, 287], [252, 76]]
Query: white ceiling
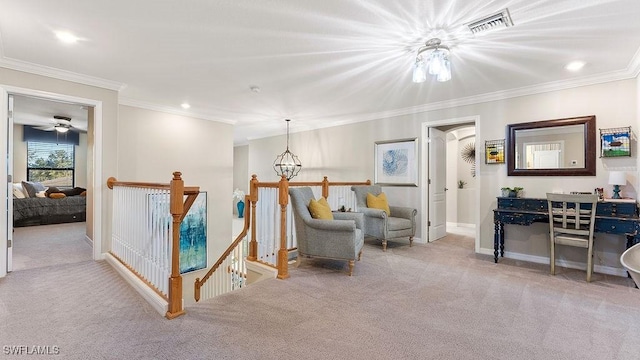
[[318, 62]]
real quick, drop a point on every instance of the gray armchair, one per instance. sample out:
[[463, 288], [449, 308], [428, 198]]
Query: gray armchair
[[341, 238], [401, 222]]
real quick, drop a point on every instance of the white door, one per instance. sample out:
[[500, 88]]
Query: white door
[[10, 186], [437, 184], [546, 159]]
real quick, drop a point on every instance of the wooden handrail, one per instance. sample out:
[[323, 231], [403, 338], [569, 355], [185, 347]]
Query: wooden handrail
[[283, 198], [111, 182], [179, 207], [250, 223], [199, 283]]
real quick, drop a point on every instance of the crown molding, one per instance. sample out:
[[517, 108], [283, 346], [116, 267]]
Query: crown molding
[[170, 110], [36, 69], [634, 65], [631, 72]]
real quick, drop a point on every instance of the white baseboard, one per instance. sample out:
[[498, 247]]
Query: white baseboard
[[156, 301], [419, 240], [464, 225], [563, 263]]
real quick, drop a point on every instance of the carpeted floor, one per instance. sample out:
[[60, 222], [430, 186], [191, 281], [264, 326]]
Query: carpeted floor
[[433, 301], [49, 245]]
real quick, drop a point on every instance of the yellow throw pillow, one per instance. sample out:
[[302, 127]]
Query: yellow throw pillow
[[57, 195], [320, 209], [378, 202]]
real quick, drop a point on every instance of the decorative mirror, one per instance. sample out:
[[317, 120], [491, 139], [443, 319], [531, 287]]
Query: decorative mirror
[[561, 147]]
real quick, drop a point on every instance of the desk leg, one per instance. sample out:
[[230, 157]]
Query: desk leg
[[501, 239], [631, 240], [496, 240]]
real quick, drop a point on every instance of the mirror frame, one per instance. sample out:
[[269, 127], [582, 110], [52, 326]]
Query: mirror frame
[[589, 148]]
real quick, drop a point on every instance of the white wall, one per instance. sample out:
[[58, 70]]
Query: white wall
[[108, 100], [345, 153], [461, 203], [452, 178], [241, 174], [152, 145]]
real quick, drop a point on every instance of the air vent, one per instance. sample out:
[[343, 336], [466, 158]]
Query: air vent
[[498, 20]]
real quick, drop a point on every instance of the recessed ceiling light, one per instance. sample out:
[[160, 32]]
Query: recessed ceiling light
[[67, 37], [185, 105], [575, 65]]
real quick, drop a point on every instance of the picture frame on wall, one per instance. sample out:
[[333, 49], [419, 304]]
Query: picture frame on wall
[[396, 162], [193, 236], [494, 151], [615, 142]]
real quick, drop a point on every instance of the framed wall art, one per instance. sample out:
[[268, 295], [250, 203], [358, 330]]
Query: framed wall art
[[615, 142], [396, 162], [193, 236], [494, 151]]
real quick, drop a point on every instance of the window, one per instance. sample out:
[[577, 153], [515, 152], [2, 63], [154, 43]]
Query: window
[[50, 163]]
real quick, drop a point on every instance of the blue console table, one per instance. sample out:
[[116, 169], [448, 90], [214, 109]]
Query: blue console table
[[611, 217]]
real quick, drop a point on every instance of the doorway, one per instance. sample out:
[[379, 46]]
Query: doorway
[[435, 162], [94, 160], [49, 148]]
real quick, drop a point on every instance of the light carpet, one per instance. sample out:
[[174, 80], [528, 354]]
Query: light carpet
[[433, 301], [48, 245]]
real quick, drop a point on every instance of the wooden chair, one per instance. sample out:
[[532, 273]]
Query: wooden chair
[[571, 223]]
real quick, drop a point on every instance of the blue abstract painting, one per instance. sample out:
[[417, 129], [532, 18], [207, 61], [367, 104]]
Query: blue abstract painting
[[395, 162], [193, 236]]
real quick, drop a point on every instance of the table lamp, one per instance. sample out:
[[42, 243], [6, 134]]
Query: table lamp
[[617, 178]]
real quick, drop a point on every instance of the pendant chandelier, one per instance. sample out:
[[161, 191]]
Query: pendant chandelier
[[287, 164], [436, 63]]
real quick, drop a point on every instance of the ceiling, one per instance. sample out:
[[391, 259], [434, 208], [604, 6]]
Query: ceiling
[[318, 62]]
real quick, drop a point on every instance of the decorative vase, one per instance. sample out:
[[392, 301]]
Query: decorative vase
[[240, 209]]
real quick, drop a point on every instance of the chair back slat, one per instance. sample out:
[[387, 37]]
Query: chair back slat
[[572, 222]]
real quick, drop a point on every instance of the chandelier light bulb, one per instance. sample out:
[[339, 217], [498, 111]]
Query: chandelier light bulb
[[437, 62], [419, 71]]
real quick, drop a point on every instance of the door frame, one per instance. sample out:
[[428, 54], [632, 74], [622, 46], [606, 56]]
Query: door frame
[[424, 181], [5, 90]]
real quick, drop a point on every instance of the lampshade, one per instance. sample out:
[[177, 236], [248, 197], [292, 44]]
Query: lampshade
[[437, 62], [617, 178], [61, 129]]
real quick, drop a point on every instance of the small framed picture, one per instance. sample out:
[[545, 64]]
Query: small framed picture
[[615, 142], [494, 151]]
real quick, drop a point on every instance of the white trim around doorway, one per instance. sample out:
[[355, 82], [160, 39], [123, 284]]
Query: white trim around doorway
[[98, 187], [424, 181]]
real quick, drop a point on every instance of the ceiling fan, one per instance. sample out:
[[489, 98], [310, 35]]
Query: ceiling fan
[[61, 124]]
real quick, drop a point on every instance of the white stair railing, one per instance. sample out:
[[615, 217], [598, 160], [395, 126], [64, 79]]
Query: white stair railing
[[141, 235], [146, 220]]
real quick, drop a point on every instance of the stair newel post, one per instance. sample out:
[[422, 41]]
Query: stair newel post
[[325, 188], [176, 201], [253, 199], [283, 253]]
